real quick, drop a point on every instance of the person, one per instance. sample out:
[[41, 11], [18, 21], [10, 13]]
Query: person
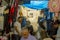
[[41, 17], [58, 34], [30, 27], [17, 29], [47, 39], [26, 35], [56, 19], [42, 31], [23, 19], [53, 31], [6, 27]]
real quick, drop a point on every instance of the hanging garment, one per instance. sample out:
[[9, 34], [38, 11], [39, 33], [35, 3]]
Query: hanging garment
[[16, 6], [10, 19]]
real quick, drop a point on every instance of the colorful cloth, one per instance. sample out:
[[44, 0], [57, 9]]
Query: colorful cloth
[[10, 19], [54, 6]]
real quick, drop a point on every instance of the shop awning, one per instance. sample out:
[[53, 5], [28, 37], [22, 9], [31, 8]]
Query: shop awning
[[37, 5]]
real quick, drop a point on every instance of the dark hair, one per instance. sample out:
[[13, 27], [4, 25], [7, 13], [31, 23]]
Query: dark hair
[[28, 22], [41, 25], [59, 12], [19, 18], [25, 28], [54, 23], [7, 7], [42, 11]]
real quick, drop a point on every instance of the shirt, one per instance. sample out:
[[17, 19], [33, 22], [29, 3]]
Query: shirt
[[30, 37], [18, 26]]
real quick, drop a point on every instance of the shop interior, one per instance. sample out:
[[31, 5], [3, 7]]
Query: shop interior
[[42, 16]]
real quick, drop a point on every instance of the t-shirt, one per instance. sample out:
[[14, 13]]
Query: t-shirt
[[19, 27], [30, 37]]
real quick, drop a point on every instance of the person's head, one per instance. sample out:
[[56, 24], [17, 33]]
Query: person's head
[[6, 11], [42, 11], [41, 23], [25, 32], [55, 18], [55, 25], [20, 19]]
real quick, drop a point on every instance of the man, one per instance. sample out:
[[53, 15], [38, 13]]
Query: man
[[23, 19], [17, 29], [30, 27], [42, 31], [54, 29], [26, 35], [6, 26]]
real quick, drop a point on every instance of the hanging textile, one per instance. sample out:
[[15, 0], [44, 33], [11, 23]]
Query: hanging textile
[[13, 11], [37, 5], [16, 6], [53, 5], [10, 19]]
